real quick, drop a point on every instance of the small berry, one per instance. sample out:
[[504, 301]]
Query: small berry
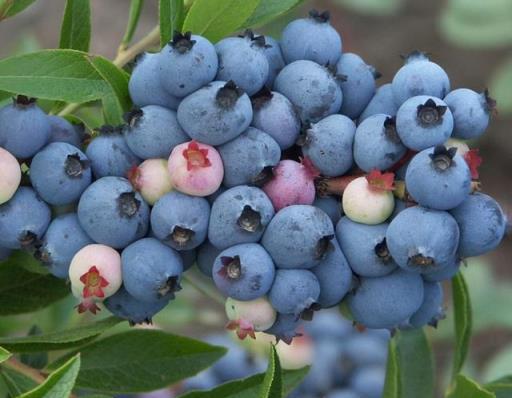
[[431, 310], [64, 131], [382, 102], [272, 51], [151, 178], [206, 255], [247, 317], [10, 175]]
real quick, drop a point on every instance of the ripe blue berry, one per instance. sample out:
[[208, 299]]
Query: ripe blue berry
[[369, 382], [365, 349], [151, 270], [381, 102], [331, 206], [180, 220], [188, 257], [445, 273], [63, 131], [206, 255], [272, 51], [431, 310], [285, 327], [294, 291]]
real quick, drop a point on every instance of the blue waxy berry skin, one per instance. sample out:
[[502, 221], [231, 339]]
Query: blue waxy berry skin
[[285, 327], [216, 113], [206, 255], [239, 215], [419, 76], [180, 220], [311, 88], [331, 205], [471, 112], [438, 178], [144, 85], [112, 213], [445, 273], [188, 257], [422, 240], [153, 132], [293, 291], [369, 381], [123, 305], [275, 115], [311, 39], [423, 122], [243, 60], [381, 102], [110, 155], [272, 51], [377, 144], [62, 240], [482, 224], [298, 236], [358, 84], [59, 173], [379, 302], [431, 310], [151, 270], [63, 131], [365, 349], [365, 247], [187, 63], [20, 228], [246, 157], [334, 276], [244, 272], [24, 128], [328, 144]]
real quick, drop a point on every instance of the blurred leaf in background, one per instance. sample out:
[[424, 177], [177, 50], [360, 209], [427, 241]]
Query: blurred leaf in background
[[373, 7], [501, 86]]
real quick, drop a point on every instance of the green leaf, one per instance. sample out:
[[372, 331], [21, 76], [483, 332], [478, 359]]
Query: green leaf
[[501, 87], [59, 384], [272, 383], [59, 340], [502, 387], [23, 259], [4, 355], [133, 21], [410, 366], [37, 360], [75, 31], [373, 7], [17, 383], [268, 10], [462, 318], [467, 388], [9, 8], [141, 360], [22, 291], [251, 386], [171, 19], [216, 19]]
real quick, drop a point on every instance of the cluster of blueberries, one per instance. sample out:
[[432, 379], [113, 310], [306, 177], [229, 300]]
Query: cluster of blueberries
[[235, 159]]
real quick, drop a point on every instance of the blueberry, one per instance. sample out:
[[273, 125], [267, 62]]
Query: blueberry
[[151, 270], [379, 302], [112, 213], [243, 60], [377, 144], [311, 39], [445, 273], [125, 306], [244, 272], [431, 310], [275, 115], [298, 236], [365, 247], [419, 76], [272, 51], [423, 240], [188, 257], [364, 349], [358, 86], [239, 215], [342, 393], [294, 291], [400, 205], [110, 155], [331, 206], [63, 131], [369, 381], [328, 144], [438, 178], [10, 175], [153, 131], [23, 219], [471, 112], [206, 255], [24, 127], [187, 63], [248, 158], [321, 376], [62, 240], [285, 327], [216, 113], [60, 173], [180, 220], [328, 325], [423, 121], [311, 88], [144, 85], [381, 102], [482, 225], [4, 253]]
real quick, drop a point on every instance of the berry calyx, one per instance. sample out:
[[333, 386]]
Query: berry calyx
[[74, 166], [250, 219], [379, 181], [182, 42], [442, 157], [88, 305], [321, 17], [128, 204], [243, 328], [196, 157], [231, 267], [94, 283], [430, 114], [228, 95]]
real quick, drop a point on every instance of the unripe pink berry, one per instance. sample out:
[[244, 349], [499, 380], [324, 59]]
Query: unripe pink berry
[[195, 168], [292, 184], [10, 175], [298, 354], [246, 317], [95, 274], [151, 178]]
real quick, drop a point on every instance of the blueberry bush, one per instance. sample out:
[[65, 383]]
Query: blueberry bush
[[273, 177]]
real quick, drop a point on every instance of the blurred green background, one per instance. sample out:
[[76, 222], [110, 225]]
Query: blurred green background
[[471, 39]]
